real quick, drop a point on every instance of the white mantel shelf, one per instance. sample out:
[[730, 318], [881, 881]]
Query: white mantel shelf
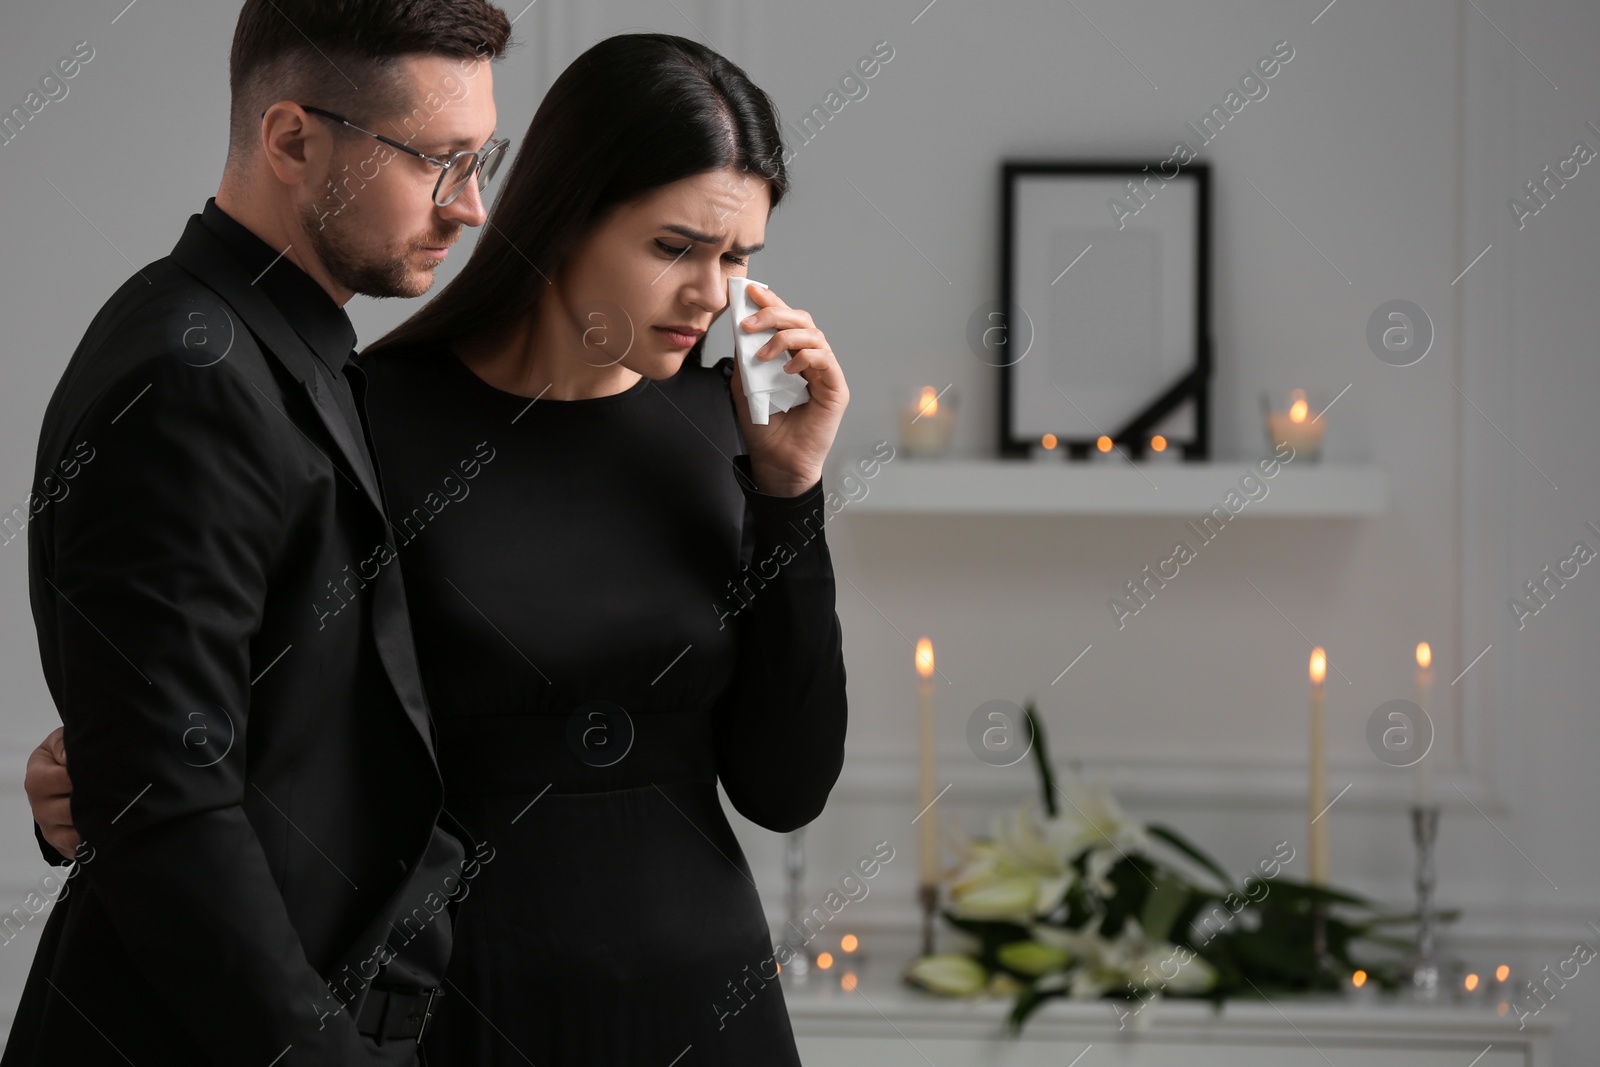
[[886, 1024], [908, 486]]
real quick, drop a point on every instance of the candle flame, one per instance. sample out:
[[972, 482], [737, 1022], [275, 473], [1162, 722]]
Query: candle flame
[[1048, 441], [825, 961], [1502, 972], [1298, 408], [1471, 982], [924, 657], [929, 404], [1158, 443], [1358, 979], [849, 942], [1319, 665], [1103, 443], [1424, 655]]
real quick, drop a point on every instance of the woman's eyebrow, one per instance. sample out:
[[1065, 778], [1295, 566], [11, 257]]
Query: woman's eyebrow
[[712, 239]]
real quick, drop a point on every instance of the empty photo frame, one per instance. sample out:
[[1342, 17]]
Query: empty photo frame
[[1105, 292]]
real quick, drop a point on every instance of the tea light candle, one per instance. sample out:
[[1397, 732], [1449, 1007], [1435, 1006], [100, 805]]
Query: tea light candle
[[1160, 450], [1296, 425], [927, 422], [1048, 449], [1105, 451], [1359, 986], [1498, 989]]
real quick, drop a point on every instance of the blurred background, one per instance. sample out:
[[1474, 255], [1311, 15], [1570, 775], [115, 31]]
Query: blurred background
[[1393, 140]]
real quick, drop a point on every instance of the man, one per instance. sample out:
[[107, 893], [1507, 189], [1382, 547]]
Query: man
[[219, 608]]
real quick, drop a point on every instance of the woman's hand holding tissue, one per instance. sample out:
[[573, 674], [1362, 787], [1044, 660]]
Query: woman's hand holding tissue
[[787, 454]]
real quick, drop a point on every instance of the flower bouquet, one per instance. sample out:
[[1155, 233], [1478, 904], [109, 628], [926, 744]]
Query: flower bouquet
[[1072, 898]]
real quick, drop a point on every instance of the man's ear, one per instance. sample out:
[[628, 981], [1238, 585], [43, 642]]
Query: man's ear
[[293, 144]]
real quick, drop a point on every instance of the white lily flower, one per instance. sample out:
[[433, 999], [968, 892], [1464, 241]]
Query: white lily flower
[[1103, 828], [1012, 897], [1020, 874], [951, 973]]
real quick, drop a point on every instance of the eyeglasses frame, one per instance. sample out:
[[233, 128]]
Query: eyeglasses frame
[[495, 144]]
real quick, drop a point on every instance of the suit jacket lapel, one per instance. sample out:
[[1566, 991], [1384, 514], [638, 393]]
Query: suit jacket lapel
[[203, 255]]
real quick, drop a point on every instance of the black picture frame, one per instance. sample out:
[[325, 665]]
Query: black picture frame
[[1191, 384]]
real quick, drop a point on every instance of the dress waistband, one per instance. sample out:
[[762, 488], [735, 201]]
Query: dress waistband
[[596, 747]]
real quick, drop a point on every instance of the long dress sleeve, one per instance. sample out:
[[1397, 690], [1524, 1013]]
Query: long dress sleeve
[[784, 710]]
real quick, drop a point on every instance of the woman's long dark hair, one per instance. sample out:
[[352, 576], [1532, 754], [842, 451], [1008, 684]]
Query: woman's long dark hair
[[633, 113]]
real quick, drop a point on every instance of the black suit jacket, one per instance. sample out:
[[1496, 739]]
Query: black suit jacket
[[223, 627]]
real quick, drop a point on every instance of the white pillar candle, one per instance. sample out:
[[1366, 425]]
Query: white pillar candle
[[1421, 778], [1317, 800], [928, 821]]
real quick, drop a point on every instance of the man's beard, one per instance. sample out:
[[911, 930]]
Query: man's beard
[[385, 273]]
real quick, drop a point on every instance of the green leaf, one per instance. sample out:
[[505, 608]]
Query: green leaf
[[1285, 890], [1447, 916], [1182, 844], [1041, 756], [1028, 1002], [1276, 955], [1162, 905], [1399, 944]]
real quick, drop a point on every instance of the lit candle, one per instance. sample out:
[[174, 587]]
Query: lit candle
[[1499, 991], [1160, 450], [1421, 780], [1360, 987], [926, 424], [1105, 450], [1318, 799], [1297, 426], [928, 821]]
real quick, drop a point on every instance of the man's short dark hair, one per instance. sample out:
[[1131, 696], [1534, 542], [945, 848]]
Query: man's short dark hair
[[341, 54]]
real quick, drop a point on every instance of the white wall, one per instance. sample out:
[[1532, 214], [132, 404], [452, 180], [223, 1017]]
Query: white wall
[[1392, 141]]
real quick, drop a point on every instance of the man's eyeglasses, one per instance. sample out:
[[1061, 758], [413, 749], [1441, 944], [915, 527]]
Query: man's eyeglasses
[[455, 171]]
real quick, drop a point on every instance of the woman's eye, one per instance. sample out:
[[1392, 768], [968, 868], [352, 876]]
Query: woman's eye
[[675, 253]]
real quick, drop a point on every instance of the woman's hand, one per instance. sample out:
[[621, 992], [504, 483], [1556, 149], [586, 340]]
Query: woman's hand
[[49, 792], [787, 454]]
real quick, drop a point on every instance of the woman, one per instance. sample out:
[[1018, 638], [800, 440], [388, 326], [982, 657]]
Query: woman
[[593, 659], [569, 492]]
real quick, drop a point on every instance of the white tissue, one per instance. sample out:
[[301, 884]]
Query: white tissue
[[766, 385]]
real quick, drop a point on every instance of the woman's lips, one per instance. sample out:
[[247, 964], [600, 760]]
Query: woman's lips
[[678, 338]]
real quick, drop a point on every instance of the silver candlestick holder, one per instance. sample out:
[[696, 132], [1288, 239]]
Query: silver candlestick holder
[[794, 868], [1425, 969]]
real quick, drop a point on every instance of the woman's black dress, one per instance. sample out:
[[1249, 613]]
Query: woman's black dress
[[596, 660]]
